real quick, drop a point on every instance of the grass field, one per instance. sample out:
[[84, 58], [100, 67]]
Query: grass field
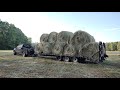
[[28, 67]]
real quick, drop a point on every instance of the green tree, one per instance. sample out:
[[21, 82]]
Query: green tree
[[113, 46], [108, 46], [11, 36], [29, 40], [118, 46]]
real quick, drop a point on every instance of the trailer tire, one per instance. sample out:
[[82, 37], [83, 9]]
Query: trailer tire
[[58, 58], [74, 59], [66, 59]]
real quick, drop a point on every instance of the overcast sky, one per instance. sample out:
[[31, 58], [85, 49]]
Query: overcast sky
[[104, 26]]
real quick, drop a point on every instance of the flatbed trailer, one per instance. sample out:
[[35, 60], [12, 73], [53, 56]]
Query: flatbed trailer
[[102, 56]]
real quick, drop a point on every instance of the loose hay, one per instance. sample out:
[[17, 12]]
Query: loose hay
[[89, 50], [44, 38]]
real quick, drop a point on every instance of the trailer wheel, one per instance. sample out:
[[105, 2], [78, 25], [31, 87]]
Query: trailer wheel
[[58, 58], [74, 59], [66, 59]]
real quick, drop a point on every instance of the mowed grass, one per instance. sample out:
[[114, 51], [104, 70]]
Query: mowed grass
[[15, 66]]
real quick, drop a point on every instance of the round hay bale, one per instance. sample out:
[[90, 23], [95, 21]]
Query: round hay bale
[[36, 48], [40, 48], [44, 38], [52, 37], [90, 51], [82, 37], [47, 48], [58, 49], [69, 50], [95, 58], [92, 39], [65, 37]]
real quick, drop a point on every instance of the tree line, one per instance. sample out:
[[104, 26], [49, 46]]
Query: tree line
[[11, 36], [113, 46]]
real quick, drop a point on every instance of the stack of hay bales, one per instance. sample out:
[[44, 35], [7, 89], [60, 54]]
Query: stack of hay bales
[[80, 38], [79, 44], [63, 39], [47, 42], [90, 51], [52, 38], [44, 38]]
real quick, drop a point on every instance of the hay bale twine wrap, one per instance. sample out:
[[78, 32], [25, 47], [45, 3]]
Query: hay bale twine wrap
[[69, 50], [64, 37], [52, 38], [90, 51], [44, 38]]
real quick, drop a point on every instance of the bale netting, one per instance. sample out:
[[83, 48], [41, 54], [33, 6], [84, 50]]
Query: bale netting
[[58, 49], [69, 50], [44, 38], [82, 37], [90, 51], [65, 37], [52, 37]]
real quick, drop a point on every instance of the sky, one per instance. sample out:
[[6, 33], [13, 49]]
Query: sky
[[104, 26]]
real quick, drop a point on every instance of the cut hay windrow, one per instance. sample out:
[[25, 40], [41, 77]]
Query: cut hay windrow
[[90, 51], [65, 37], [52, 38], [44, 38]]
